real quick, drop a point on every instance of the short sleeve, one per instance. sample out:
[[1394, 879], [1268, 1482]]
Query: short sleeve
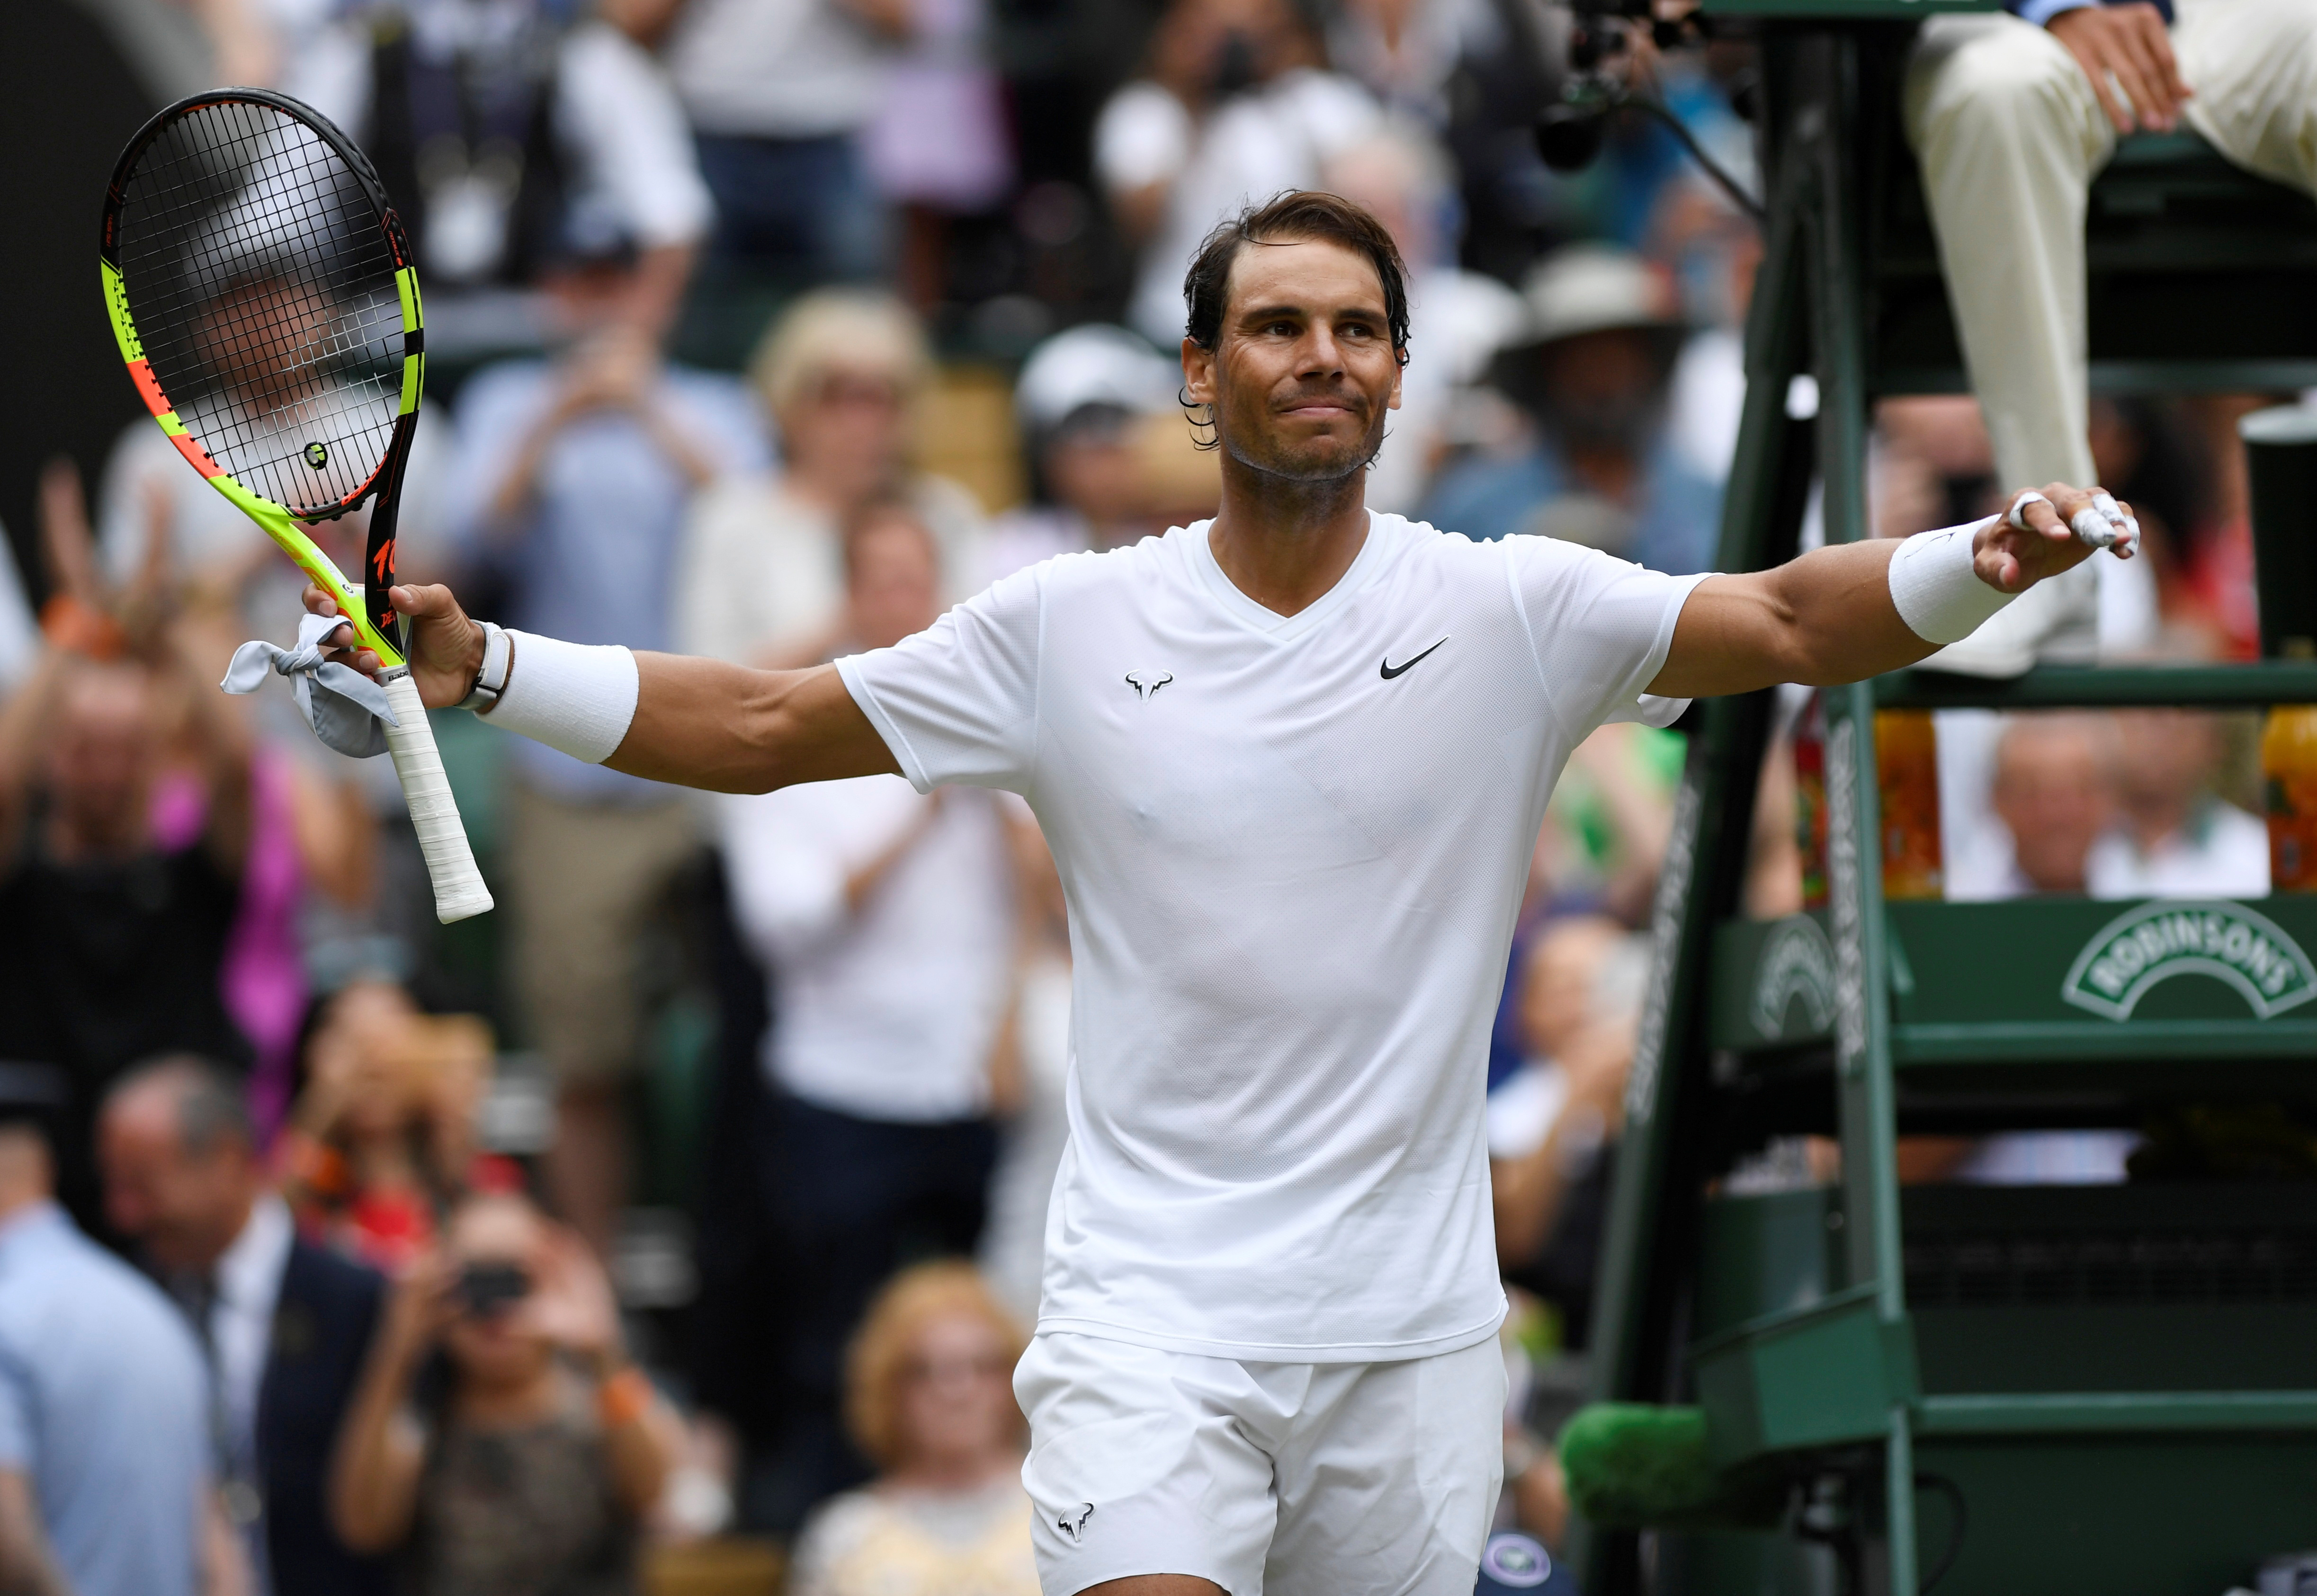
[[959, 702], [1601, 627], [623, 111]]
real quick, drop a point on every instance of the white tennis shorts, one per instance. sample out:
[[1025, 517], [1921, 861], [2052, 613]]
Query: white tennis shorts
[[1271, 1479]]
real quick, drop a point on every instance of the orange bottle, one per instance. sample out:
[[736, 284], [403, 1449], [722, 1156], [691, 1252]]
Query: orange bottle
[[2288, 770], [1907, 770], [1809, 801]]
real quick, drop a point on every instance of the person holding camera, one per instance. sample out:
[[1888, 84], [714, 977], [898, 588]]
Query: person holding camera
[[500, 1440]]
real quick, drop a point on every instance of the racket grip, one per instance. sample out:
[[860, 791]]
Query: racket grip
[[459, 889]]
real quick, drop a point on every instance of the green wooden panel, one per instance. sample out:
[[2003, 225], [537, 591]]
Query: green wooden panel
[[2138, 1412], [1768, 1254], [1822, 1376], [2041, 979], [2182, 1516], [2061, 687], [1773, 983]]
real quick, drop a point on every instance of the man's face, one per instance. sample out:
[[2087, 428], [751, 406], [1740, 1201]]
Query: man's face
[[100, 755], [2051, 793], [184, 1211], [1601, 389], [1304, 373], [893, 588]]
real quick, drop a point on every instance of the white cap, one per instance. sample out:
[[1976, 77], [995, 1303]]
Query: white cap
[[1096, 364], [1589, 288]]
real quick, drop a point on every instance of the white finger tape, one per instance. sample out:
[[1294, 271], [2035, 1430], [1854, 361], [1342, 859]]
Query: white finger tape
[[2017, 515]]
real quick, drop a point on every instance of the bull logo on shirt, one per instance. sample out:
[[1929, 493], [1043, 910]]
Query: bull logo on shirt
[[1074, 1522], [1147, 682]]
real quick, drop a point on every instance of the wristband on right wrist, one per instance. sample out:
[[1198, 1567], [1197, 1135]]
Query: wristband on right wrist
[[1934, 587], [574, 698]]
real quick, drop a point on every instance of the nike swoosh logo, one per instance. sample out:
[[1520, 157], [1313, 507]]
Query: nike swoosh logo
[[1391, 669]]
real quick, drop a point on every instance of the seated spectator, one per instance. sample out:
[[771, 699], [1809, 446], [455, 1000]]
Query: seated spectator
[[105, 1484], [887, 922], [762, 563], [113, 940], [1581, 1004], [1272, 115], [928, 1397], [526, 1458], [1592, 366], [1457, 319], [2010, 117], [2053, 794], [2174, 836], [780, 96], [1080, 398], [383, 1134], [283, 1322], [510, 137], [572, 486]]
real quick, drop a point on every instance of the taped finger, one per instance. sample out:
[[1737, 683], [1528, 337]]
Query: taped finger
[[2017, 516], [2093, 528]]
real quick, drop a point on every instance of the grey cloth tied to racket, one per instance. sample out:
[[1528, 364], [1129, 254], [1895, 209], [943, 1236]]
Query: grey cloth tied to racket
[[348, 710]]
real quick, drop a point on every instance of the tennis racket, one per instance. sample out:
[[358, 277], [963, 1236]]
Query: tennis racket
[[263, 297]]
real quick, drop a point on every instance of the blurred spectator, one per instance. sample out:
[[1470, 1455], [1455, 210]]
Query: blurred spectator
[[1457, 319], [2053, 794], [2174, 836], [761, 572], [113, 940], [572, 483], [282, 1323], [1239, 106], [1607, 821], [1407, 50], [105, 1486], [526, 1454], [384, 1135], [1079, 399], [929, 1398], [939, 145], [310, 861], [1550, 1124], [887, 919], [778, 93], [511, 139], [1592, 366]]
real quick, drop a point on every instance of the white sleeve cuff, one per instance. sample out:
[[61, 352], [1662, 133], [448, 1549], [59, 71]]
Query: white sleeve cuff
[[574, 698], [1935, 589]]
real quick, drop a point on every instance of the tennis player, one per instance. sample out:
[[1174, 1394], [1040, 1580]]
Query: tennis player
[[1292, 762]]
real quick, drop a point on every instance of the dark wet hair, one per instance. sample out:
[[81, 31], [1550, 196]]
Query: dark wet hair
[[1297, 216]]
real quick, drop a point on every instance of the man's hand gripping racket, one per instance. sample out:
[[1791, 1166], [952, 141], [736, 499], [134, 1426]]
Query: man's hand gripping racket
[[264, 298]]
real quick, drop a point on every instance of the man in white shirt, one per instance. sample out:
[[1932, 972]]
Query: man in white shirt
[[886, 919], [1292, 762]]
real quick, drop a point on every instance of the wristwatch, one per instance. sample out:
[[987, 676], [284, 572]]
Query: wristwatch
[[498, 656]]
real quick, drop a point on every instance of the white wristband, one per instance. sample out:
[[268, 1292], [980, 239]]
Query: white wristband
[[1937, 592], [570, 696]]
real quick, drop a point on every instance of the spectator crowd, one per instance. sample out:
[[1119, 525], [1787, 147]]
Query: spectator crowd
[[701, 1190]]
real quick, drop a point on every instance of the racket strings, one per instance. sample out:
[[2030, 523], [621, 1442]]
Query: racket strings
[[263, 293]]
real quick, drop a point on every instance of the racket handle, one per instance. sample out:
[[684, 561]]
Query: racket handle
[[459, 889]]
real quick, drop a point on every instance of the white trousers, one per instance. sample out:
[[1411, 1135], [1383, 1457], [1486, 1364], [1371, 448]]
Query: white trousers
[[2009, 136], [1270, 1479]]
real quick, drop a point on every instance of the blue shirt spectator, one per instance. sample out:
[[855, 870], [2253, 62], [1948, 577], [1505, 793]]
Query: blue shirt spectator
[[587, 543], [103, 1408], [1675, 519]]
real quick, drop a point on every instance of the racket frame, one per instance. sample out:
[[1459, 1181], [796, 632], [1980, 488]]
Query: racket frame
[[364, 606], [459, 888]]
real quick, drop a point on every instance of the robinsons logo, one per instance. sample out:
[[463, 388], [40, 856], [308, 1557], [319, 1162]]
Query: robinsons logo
[[2159, 940]]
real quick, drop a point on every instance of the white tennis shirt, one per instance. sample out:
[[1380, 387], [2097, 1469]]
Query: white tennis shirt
[[1292, 849]]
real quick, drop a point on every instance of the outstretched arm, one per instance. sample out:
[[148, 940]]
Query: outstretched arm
[[1828, 616], [697, 723]]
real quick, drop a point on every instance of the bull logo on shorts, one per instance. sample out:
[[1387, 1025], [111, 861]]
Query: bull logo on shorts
[[1073, 1524]]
